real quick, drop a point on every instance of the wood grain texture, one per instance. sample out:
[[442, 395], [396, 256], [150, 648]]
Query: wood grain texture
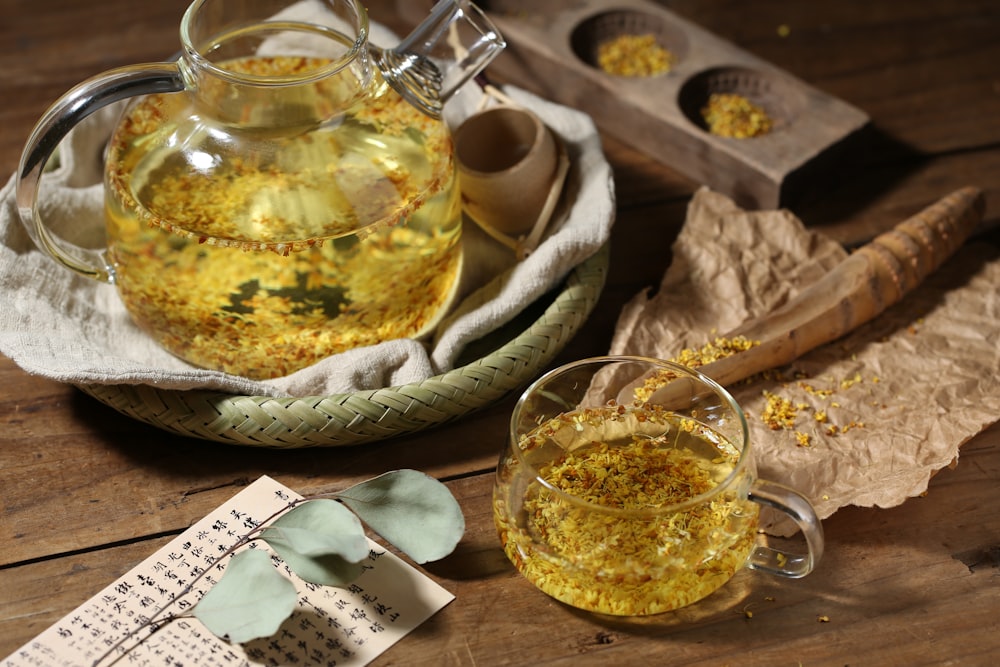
[[86, 493], [552, 51]]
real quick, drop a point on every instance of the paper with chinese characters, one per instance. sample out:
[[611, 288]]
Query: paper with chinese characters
[[331, 626]]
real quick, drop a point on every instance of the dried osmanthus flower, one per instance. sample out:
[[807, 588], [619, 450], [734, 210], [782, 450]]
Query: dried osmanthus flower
[[634, 56], [735, 116]]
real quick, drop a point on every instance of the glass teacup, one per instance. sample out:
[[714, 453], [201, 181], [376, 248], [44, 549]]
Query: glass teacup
[[628, 487]]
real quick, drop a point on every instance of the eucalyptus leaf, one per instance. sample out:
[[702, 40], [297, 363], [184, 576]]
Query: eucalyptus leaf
[[328, 570], [412, 510], [251, 600], [321, 541], [318, 528]]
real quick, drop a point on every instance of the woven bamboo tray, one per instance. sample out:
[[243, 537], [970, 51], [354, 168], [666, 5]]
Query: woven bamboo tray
[[366, 416]]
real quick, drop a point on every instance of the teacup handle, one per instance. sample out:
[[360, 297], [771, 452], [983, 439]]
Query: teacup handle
[[801, 511], [83, 100]]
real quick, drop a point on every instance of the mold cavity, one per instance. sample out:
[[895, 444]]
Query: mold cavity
[[629, 43], [738, 102]]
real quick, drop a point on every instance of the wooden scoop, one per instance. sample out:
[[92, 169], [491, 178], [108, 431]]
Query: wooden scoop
[[873, 278]]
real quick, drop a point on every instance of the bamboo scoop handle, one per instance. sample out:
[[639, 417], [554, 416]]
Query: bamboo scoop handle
[[873, 278]]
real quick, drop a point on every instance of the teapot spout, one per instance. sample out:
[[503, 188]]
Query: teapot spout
[[453, 44]]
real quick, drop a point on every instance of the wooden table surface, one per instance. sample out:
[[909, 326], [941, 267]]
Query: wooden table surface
[[86, 493]]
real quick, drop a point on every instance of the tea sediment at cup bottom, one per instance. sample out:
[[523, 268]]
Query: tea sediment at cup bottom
[[269, 261], [612, 530]]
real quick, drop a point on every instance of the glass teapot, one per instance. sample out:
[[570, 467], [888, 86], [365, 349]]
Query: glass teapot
[[284, 190]]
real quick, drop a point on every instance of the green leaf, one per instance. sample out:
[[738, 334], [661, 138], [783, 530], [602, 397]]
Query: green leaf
[[329, 570], [321, 541], [251, 600], [411, 510]]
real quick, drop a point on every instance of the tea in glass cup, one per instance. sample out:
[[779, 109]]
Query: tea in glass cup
[[628, 488]]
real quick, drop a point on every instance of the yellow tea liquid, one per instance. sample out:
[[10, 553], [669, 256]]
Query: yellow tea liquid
[[320, 239], [619, 552]]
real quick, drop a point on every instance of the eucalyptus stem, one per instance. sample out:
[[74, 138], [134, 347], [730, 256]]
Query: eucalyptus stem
[[246, 539]]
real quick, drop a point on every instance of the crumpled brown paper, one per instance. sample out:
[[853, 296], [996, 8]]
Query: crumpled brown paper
[[885, 407]]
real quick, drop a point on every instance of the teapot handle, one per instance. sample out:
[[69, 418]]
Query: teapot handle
[[83, 100]]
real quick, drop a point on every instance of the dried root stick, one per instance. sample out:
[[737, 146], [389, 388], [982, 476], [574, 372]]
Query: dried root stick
[[873, 278]]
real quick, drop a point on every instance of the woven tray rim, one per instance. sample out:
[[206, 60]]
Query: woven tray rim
[[371, 415]]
